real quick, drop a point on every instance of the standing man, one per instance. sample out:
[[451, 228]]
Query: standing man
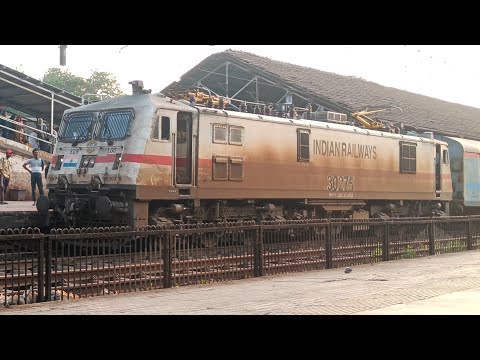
[[55, 137], [33, 139], [36, 171], [5, 172]]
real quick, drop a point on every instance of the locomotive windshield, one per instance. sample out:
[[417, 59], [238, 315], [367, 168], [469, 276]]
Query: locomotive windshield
[[115, 125], [76, 127]]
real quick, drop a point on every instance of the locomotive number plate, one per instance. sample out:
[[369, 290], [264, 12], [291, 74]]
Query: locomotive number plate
[[340, 183], [110, 178]]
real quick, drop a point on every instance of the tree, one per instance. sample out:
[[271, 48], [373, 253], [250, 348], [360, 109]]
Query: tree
[[99, 83], [103, 83]]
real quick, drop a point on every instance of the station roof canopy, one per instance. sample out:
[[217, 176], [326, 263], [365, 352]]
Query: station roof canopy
[[34, 97], [246, 76]]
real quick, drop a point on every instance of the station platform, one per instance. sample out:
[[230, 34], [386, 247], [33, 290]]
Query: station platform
[[434, 285], [18, 214]]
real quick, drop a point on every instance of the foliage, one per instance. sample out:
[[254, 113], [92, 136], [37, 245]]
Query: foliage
[[448, 246], [409, 253], [377, 253], [99, 83]]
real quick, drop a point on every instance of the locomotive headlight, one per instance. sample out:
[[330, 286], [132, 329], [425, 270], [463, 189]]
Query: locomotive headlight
[[87, 161]]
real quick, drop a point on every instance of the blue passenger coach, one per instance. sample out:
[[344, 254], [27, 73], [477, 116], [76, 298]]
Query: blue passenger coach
[[465, 172]]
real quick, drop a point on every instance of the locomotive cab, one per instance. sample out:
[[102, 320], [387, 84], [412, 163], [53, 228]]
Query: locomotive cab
[[114, 158]]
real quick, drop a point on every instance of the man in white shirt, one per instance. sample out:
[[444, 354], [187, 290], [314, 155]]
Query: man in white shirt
[[36, 170]]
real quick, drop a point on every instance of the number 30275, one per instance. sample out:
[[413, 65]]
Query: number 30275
[[340, 183]]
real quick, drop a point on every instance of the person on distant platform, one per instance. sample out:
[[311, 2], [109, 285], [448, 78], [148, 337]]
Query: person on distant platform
[[3, 122], [55, 137], [5, 172], [33, 139], [10, 135], [20, 134]]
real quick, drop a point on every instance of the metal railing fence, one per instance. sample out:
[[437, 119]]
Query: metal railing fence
[[74, 263]]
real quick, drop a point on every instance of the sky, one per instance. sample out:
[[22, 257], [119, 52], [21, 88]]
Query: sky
[[447, 72]]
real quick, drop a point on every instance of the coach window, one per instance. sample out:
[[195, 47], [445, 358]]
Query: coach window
[[408, 158], [303, 145]]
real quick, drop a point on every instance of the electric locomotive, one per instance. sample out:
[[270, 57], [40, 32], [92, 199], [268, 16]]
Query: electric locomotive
[[150, 159]]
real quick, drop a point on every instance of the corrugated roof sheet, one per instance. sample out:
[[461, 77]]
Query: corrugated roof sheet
[[355, 94], [33, 96]]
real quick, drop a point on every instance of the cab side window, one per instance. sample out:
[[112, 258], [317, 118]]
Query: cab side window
[[161, 130]]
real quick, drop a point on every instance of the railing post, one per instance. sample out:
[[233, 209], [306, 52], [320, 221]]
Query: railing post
[[386, 242], [328, 247], [48, 269], [258, 252], [469, 235], [167, 259], [431, 239], [40, 269]]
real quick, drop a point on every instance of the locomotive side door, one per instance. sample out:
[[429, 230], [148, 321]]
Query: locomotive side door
[[184, 150]]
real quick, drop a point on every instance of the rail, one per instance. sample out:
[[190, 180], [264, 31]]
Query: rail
[[74, 263]]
